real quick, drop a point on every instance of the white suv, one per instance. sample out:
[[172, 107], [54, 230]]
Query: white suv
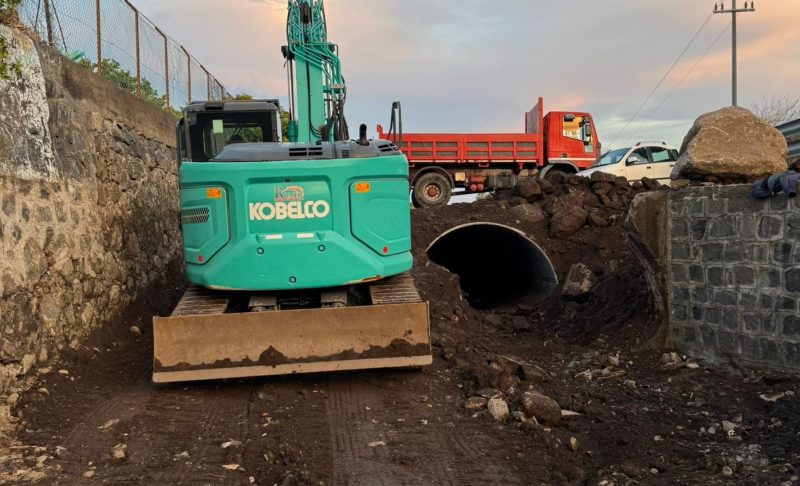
[[653, 160]]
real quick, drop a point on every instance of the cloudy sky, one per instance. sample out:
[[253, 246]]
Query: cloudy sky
[[478, 65]]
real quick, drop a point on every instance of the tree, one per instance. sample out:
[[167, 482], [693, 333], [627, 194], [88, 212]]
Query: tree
[[776, 110]]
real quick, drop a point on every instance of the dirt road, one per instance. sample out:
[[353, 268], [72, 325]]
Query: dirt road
[[636, 417]]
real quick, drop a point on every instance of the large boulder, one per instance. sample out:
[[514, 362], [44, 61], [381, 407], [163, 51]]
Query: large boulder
[[731, 144]]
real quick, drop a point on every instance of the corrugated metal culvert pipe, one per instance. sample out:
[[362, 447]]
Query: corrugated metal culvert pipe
[[499, 266]]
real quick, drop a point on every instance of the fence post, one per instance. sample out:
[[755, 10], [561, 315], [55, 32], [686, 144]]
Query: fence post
[[189, 74], [166, 68], [99, 48], [138, 53], [48, 22]]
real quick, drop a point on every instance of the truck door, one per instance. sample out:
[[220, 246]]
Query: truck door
[[638, 165]]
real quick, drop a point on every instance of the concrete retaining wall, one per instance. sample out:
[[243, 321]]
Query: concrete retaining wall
[[735, 276], [88, 204]]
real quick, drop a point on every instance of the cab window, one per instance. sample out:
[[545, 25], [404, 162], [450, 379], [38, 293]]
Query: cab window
[[663, 154], [571, 127], [215, 130]]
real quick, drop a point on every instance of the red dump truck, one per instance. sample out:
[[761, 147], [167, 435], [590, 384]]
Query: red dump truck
[[477, 162]]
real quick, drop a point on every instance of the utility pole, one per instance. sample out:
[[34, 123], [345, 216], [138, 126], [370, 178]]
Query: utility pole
[[720, 8]]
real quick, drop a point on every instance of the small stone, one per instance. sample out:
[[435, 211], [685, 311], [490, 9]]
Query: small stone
[[231, 467], [231, 443], [488, 393], [670, 358], [692, 366], [61, 452], [135, 330], [63, 372], [569, 414], [377, 443], [629, 383], [109, 424], [728, 426], [613, 360], [88, 474], [498, 408], [27, 363], [475, 403], [181, 455], [43, 391], [573, 444], [12, 399], [119, 451], [727, 471], [653, 470], [41, 459], [712, 430]]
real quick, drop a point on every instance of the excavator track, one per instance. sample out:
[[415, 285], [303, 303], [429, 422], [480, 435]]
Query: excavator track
[[206, 338]]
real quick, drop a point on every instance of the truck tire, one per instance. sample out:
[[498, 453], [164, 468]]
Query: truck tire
[[431, 190]]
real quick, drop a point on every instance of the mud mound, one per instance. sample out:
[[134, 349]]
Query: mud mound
[[618, 303]]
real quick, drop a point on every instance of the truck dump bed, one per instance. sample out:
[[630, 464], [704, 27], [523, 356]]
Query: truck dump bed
[[483, 148]]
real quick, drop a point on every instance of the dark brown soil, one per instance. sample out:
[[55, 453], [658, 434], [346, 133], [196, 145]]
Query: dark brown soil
[[639, 422]]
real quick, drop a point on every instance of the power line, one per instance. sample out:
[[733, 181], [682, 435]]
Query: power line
[[680, 56], [677, 85]]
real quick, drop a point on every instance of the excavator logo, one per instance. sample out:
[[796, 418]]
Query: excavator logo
[[289, 193], [288, 204]]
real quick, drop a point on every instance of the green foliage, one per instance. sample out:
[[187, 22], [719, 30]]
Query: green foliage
[[8, 68], [8, 14], [125, 80]]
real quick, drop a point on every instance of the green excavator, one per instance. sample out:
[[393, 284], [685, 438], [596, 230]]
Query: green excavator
[[297, 252]]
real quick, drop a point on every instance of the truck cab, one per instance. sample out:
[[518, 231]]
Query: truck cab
[[653, 160], [571, 142]]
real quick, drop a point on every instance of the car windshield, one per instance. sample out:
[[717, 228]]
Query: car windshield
[[611, 157]]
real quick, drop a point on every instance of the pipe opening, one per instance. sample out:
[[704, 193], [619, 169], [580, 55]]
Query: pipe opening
[[499, 266]]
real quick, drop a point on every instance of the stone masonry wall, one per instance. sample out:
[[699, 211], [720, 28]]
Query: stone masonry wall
[[735, 276], [88, 205]]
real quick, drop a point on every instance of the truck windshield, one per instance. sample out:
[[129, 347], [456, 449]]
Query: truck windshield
[[610, 158]]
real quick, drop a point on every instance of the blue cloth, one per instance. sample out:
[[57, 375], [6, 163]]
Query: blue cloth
[[783, 181]]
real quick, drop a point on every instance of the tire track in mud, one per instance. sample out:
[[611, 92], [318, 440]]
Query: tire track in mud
[[423, 443]]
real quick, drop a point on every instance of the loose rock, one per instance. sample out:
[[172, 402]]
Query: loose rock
[[529, 213], [119, 451], [528, 188], [579, 282], [567, 221], [498, 408], [541, 407], [475, 403]]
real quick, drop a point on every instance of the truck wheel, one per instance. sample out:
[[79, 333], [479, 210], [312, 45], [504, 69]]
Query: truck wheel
[[414, 201], [432, 189]]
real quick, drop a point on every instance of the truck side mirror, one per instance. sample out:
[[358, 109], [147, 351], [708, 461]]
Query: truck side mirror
[[587, 133], [632, 160]]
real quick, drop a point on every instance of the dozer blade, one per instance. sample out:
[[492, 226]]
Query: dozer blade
[[202, 345]]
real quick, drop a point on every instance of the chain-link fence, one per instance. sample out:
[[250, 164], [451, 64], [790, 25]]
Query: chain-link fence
[[115, 40]]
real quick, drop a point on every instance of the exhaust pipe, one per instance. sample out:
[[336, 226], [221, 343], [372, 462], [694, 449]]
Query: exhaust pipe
[[499, 266]]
